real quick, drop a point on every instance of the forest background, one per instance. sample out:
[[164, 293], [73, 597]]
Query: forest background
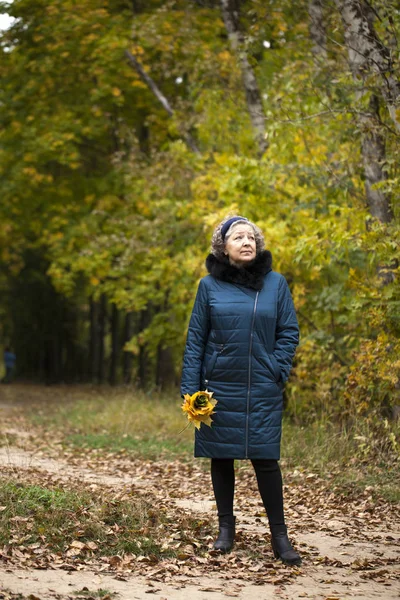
[[129, 129]]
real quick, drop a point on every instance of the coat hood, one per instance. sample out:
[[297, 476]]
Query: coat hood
[[251, 276]]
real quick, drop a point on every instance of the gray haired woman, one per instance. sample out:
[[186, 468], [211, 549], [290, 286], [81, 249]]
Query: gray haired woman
[[241, 341]]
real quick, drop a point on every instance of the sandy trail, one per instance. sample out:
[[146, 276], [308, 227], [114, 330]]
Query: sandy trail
[[48, 585]]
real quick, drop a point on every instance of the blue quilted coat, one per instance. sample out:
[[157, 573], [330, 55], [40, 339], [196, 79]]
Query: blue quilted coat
[[242, 337]]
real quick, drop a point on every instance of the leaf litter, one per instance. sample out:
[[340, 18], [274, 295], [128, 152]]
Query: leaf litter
[[173, 545]]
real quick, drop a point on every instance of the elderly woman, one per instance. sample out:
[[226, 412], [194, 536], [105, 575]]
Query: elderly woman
[[242, 337]]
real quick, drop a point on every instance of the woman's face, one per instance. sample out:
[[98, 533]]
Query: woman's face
[[240, 246]]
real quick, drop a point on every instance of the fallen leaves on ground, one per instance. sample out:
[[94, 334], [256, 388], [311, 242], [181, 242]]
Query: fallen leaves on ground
[[184, 536]]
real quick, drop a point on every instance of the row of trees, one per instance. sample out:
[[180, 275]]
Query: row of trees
[[130, 128]]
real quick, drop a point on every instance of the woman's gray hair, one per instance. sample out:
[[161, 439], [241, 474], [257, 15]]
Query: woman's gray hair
[[218, 244]]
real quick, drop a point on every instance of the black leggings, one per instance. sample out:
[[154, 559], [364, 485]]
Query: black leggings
[[269, 481]]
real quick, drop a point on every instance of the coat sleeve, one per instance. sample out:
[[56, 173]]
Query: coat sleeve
[[287, 331], [196, 340]]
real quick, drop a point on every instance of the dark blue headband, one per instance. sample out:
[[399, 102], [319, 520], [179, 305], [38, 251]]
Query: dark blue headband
[[225, 226]]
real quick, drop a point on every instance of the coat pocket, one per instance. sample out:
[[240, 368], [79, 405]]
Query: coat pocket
[[210, 365], [274, 367]]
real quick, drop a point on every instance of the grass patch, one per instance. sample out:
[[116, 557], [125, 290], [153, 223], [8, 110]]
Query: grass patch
[[100, 593], [147, 426], [78, 521], [7, 439], [351, 458], [6, 594]]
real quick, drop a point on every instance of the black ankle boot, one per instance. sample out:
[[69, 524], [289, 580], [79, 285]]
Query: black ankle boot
[[226, 536], [283, 549]]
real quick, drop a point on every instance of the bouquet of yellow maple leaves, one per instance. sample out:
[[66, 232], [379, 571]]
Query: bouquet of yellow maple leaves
[[199, 407]]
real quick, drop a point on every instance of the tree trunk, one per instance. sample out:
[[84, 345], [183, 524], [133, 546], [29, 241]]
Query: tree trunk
[[367, 54], [143, 138], [144, 363], [373, 153], [101, 335], [114, 345], [230, 14], [165, 370], [317, 29], [59, 344], [362, 48], [128, 362], [94, 339]]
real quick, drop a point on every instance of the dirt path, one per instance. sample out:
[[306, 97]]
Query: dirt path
[[350, 546]]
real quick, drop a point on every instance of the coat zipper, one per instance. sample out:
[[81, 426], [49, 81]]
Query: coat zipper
[[249, 377]]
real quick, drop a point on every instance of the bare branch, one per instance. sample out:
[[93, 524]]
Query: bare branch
[[133, 61], [230, 14]]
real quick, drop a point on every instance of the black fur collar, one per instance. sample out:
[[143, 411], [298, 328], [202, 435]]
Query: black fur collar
[[251, 276]]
